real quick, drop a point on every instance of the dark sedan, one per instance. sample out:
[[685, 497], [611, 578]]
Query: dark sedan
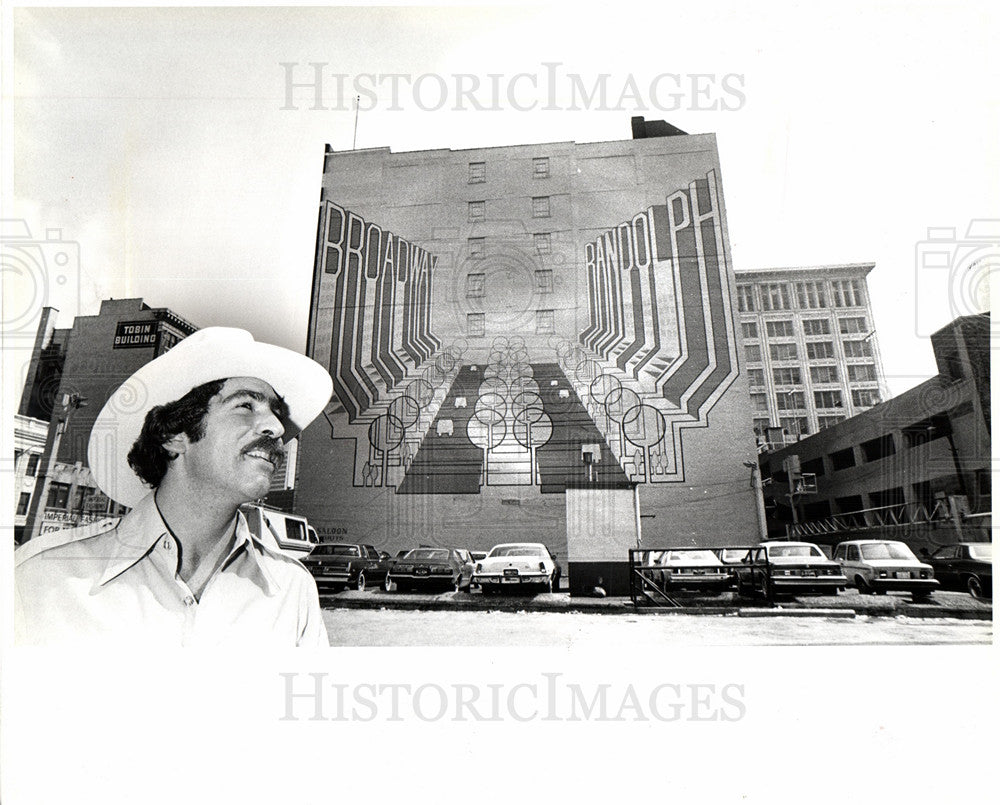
[[965, 566], [448, 568], [346, 565]]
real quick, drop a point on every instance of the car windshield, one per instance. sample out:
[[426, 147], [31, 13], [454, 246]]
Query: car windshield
[[516, 550], [886, 550], [336, 550], [693, 556], [428, 555], [982, 551], [794, 550]]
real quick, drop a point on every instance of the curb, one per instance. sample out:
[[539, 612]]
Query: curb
[[559, 602]]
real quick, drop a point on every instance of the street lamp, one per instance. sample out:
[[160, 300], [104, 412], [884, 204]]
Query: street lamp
[[36, 512]]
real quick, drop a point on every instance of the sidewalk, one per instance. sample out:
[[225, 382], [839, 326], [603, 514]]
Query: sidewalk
[[846, 605]]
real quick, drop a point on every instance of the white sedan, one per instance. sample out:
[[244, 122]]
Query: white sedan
[[515, 564]]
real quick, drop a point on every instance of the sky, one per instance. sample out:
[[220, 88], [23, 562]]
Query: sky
[[155, 142]]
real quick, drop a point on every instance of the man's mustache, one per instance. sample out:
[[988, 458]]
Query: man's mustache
[[273, 447]]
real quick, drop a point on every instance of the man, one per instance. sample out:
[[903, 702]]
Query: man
[[184, 442]]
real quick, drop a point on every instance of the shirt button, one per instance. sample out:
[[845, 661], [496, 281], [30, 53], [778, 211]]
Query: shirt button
[[188, 601], [167, 545]]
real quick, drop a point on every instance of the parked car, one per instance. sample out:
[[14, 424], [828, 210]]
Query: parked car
[[879, 565], [515, 564], [688, 569], [288, 533], [734, 556], [432, 567], [788, 568], [966, 566], [344, 564]]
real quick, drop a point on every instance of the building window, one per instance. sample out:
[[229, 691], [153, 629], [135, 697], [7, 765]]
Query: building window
[[787, 376], [779, 329], [853, 324], [857, 349], [760, 426], [475, 324], [22, 504], [749, 329], [791, 400], [823, 374], [477, 210], [477, 172], [543, 280], [477, 248], [810, 295], [819, 350], [865, 398], [861, 372], [545, 321], [848, 293], [753, 353], [795, 425], [756, 377], [842, 459], [543, 242], [475, 286], [540, 167], [816, 326], [784, 352], [775, 296], [540, 207], [828, 421], [32, 468], [744, 298], [828, 399], [758, 402], [879, 447], [58, 496]]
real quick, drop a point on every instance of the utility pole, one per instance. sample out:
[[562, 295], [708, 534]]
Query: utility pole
[[758, 487], [36, 512]]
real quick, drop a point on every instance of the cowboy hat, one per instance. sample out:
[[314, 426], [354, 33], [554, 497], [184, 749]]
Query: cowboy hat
[[214, 353]]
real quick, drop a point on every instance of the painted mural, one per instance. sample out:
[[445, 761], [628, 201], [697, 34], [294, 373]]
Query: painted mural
[[605, 407]]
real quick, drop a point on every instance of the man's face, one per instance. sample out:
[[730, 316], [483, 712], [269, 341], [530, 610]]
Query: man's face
[[240, 447]]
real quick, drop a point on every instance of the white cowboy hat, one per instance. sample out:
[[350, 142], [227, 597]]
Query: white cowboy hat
[[213, 353]]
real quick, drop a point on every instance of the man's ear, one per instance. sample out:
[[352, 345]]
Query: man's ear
[[177, 445]]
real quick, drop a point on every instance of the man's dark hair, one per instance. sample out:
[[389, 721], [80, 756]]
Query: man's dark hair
[[148, 457]]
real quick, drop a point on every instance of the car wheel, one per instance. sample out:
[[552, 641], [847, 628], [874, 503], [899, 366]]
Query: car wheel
[[359, 583], [975, 587], [387, 584], [767, 589], [741, 589], [863, 586], [456, 584]]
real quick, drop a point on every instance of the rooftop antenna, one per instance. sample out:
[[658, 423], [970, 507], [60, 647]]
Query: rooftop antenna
[[357, 107]]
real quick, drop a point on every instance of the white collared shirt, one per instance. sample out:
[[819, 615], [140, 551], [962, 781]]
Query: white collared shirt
[[118, 581]]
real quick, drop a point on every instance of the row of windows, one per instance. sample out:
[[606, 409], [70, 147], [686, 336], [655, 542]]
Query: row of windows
[[476, 247], [796, 400], [785, 328], [796, 425], [802, 295], [86, 499], [541, 207], [815, 351], [545, 323], [539, 170], [475, 284]]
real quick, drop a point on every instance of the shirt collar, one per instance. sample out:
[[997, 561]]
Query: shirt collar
[[141, 529]]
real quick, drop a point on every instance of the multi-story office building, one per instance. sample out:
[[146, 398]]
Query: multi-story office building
[[811, 350], [529, 342]]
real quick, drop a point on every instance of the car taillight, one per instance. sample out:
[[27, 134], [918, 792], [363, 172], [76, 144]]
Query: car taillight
[[479, 567], [541, 566]]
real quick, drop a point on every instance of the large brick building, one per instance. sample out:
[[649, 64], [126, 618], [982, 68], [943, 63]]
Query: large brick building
[[534, 342]]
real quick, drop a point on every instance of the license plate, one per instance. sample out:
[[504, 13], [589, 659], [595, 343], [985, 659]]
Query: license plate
[[903, 574], [422, 571], [808, 572], [509, 580]]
